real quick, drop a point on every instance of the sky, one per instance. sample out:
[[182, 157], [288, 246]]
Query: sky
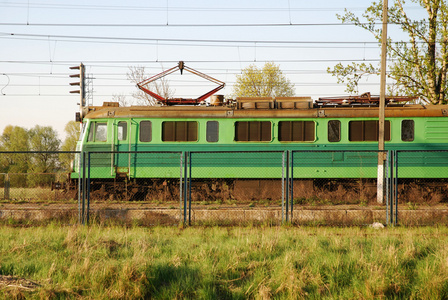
[[40, 40]]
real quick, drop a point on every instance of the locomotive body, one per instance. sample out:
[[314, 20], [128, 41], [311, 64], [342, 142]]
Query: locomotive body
[[251, 135]]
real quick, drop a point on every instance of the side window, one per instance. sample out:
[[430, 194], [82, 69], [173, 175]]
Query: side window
[[212, 133], [253, 131], [334, 131], [122, 131], [97, 132], [365, 131], [180, 131], [407, 130], [91, 131], [296, 131], [83, 129], [145, 134]]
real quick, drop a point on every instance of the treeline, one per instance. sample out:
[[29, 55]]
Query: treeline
[[42, 140]]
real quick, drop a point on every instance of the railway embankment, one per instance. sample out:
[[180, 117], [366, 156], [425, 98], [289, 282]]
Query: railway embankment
[[135, 213]]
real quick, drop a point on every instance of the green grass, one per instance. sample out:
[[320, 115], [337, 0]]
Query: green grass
[[225, 263]]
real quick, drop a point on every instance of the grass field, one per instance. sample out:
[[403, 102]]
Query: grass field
[[96, 262]]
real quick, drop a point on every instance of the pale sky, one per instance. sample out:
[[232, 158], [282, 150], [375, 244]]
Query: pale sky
[[40, 40]]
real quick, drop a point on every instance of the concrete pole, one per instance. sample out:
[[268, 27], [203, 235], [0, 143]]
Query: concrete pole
[[380, 182]]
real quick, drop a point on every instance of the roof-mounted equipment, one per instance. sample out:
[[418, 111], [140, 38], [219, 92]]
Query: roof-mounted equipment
[[362, 100], [173, 101]]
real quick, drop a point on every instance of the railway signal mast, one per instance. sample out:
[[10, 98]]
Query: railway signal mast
[[82, 88]]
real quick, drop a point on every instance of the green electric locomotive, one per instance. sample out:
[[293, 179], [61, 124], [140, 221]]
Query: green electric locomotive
[[246, 139]]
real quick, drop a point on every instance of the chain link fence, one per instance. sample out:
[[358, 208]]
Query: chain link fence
[[142, 188], [224, 188], [35, 187], [421, 187]]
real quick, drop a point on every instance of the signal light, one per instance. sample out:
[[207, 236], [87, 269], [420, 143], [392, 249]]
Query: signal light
[[81, 84], [81, 81]]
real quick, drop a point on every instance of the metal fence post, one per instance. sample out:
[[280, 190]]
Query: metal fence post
[[7, 187], [185, 187], [189, 188], [283, 186], [391, 206], [180, 186], [395, 198], [292, 182], [387, 181], [391, 178], [388, 200], [287, 186], [83, 188], [79, 186], [88, 189]]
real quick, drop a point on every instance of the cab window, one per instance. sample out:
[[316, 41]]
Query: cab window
[[122, 131], [98, 132]]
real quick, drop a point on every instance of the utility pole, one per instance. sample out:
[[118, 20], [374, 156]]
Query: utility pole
[[382, 104]]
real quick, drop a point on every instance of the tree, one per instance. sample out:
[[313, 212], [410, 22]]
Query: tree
[[121, 99], [161, 86], [266, 82], [15, 138], [44, 139], [417, 67], [72, 132]]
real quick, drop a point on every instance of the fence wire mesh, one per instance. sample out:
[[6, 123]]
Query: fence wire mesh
[[421, 188], [224, 188], [135, 187], [36, 187], [237, 187]]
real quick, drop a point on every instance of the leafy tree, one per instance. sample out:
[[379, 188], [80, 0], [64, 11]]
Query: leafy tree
[[15, 138], [72, 131], [266, 82], [419, 66], [161, 86], [43, 138]]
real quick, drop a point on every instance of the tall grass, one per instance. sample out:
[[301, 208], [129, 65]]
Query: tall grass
[[225, 263]]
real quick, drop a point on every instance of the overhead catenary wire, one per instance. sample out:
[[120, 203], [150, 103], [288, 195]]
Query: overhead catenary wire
[[46, 36], [176, 8], [184, 24]]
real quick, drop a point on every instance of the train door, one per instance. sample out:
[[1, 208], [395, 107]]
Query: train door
[[122, 147]]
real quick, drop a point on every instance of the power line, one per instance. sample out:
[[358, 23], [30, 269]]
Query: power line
[[66, 62], [28, 24], [179, 25], [157, 43], [174, 8], [253, 42]]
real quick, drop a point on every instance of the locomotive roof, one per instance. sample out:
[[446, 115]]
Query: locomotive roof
[[113, 111]]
